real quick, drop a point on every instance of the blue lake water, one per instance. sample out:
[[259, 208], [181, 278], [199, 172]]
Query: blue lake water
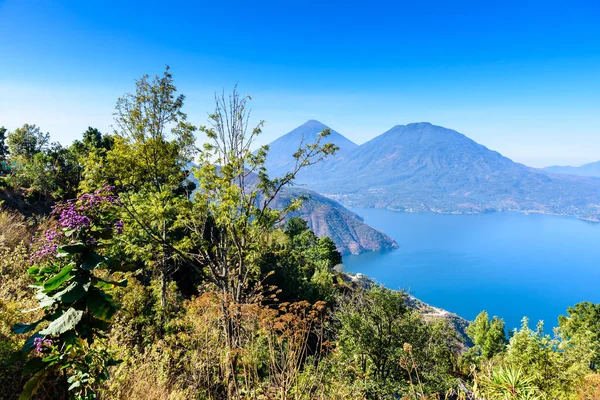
[[510, 264]]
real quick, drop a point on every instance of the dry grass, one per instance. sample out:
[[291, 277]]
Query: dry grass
[[590, 388], [13, 228]]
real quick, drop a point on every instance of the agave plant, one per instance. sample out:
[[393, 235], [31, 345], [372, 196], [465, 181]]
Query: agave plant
[[507, 383]]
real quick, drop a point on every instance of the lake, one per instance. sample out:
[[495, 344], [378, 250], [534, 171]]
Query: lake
[[510, 264]]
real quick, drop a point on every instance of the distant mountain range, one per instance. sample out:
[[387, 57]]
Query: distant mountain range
[[591, 169], [423, 167]]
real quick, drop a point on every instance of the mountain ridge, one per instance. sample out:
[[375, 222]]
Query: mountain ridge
[[280, 161], [589, 169], [425, 167]]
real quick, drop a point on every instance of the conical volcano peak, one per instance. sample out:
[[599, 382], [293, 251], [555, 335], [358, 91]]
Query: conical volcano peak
[[313, 123]]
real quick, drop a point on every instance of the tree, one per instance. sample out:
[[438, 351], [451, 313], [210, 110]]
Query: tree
[[393, 348], [92, 140], [231, 221], [54, 171], [299, 264], [488, 336], [372, 329], [583, 320], [148, 162], [3, 146], [27, 141]]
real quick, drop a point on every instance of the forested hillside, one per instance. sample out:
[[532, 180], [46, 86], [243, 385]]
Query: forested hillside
[[140, 283]]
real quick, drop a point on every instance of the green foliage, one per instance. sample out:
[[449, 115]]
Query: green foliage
[[488, 336], [146, 160], [505, 383], [93, 140], [48, 169], [582, 322], [555, 364], [27, 141], [393, 347], [3, 147], [300, 265], [76, 309]]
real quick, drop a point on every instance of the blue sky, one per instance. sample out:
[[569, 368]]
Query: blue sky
[[520, 77]]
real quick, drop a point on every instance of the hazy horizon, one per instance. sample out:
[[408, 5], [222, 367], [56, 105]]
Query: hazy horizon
[[521, 79]]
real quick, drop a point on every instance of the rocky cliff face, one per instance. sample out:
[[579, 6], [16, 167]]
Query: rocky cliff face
[[327, 217]]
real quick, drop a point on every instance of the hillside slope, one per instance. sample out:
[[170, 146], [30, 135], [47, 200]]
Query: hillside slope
[[327, 217]]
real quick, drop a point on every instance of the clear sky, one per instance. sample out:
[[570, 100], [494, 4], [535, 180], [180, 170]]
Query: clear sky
[[521, 77]]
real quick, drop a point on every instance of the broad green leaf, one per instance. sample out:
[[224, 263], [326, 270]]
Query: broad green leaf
[[75, 291], [71, 249], [24, 328], [43, 298], [92, 260], [102, 284], [32, 385], [33, 271], [57, 280], [33, 365], [100, 304], [64, 323]]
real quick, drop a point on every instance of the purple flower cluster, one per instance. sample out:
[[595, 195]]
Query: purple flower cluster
[[72, 219], [76, 214], [104, 195], [119, 227], [48, 245], [40, 343]]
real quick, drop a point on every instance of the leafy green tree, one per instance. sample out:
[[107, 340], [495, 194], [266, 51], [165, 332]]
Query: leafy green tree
[[54, 171], [556, 365], [147, 162], [327, 251], [3, 146], [299, 264], [581, 321], [92, 141], [27, 141], [394, 349], [231, 221], [488, 336]]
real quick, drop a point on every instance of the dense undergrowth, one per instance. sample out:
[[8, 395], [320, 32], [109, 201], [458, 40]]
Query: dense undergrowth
[[143, 285]]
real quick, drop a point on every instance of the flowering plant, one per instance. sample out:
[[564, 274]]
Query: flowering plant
[[76, 308]]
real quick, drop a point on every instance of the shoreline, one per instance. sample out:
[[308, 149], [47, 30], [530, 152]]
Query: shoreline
[[526, 212]]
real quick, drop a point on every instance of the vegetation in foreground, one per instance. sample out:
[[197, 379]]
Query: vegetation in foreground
[[143, 285]]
